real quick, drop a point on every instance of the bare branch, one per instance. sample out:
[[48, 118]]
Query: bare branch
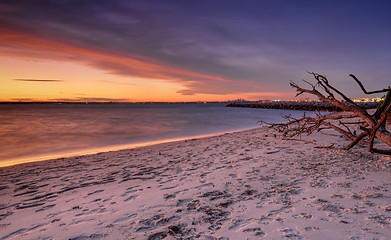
[[376, 128], [347, 128], [323, 79], [355, 141], [321, 97], [363, 88], [386, 101], [385, 152], [340, 130]]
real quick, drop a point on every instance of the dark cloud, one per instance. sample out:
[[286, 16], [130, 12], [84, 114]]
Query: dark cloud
[[267, 42], [37, 80]]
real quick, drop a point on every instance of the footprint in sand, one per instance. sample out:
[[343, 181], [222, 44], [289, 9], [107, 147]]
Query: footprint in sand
[[167, 181], [258, 231], [45, 208], [302, 215], [233, 175], [128, 192], [236, 223], [131, 197], [24, 231], [82, 221], [126, 218], [182, 202], [291, 233], [95, 192]]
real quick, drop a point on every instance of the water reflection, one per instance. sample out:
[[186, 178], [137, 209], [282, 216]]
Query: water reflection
[[41, 129]]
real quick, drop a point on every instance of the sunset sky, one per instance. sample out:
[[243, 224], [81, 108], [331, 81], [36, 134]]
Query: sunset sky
[[97, 50]]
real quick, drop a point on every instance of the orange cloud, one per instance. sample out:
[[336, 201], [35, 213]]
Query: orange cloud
[[20, 44]]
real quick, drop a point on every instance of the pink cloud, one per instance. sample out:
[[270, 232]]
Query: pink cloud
[[18, 44]]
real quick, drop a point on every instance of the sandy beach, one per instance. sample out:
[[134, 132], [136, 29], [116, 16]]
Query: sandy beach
[[242, 185]]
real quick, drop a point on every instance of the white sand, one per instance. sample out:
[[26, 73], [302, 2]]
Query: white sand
[[244, 185]]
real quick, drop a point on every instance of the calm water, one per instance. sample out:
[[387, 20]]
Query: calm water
[[34, 130]]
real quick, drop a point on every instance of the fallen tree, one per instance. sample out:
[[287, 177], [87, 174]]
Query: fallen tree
[[366, 129]]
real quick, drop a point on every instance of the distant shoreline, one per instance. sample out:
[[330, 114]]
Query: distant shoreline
[[307, 106]]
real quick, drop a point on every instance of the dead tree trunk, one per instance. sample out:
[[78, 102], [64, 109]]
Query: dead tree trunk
[[371, 126]]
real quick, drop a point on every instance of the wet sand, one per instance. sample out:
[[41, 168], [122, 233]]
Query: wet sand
[[243, 185]]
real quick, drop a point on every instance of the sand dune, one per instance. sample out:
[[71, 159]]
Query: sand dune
[[243, 185]]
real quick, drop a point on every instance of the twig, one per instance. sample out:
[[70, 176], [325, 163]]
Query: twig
[[355, 141], [363, 88]]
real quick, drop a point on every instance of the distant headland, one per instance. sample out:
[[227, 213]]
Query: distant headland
[[307, 106]]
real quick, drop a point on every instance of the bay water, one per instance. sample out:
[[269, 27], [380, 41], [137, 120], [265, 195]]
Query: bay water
[[32, 132]]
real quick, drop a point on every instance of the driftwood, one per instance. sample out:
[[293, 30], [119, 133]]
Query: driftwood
[[369, 127]]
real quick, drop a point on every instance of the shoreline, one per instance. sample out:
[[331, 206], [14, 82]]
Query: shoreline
[[113, 148], [246, 184]]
